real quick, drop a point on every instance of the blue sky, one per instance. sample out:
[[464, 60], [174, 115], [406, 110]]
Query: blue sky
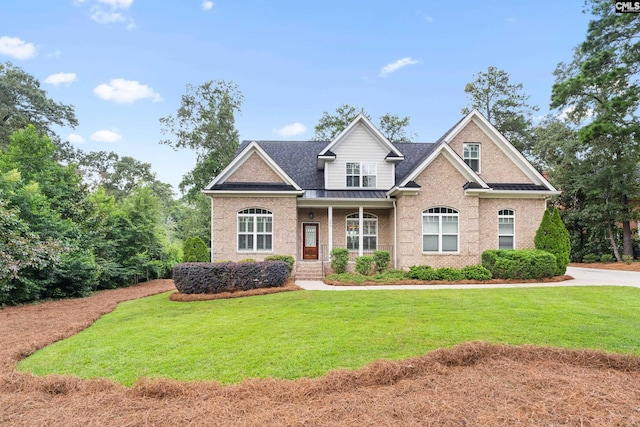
[[124, 64]]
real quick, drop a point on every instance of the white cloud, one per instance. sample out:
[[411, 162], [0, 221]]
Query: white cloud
[[19, 49], [61, 78], [429, 19], [291, 130], [123, 91], [74, 138], [102, 17], [118, 4], [207, 5], [395, 66], [106, 136], [567, 113]]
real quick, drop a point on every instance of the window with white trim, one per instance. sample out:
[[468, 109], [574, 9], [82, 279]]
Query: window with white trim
[[369, 232], [361, 174], [471, 156], [440, 230], [506, 229], [255, 230]]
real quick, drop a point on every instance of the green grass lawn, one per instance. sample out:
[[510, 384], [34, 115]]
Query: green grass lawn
[[306, 334]]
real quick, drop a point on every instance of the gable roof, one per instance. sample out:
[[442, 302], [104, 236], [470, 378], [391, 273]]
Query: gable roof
[[378, 136], [241, 157]]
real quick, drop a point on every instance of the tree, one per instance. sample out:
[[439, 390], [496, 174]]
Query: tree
[[504, 104], [205, 123], [22, 102], [392, 126], [553, 237], [600, 87]]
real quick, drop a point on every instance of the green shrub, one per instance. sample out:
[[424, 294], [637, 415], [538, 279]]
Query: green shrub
[[519, 263], [364, 264], [339, 260], [627, 259], [248, 260], [589, 258], [606, 258], [422, 272], [195, 250], [382, 260], [476, 272], [449, 274], [286, 258], [208, 278], [552, 236]]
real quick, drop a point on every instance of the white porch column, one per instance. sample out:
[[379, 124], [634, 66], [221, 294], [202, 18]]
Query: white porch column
[[330, 227], [360, 230]]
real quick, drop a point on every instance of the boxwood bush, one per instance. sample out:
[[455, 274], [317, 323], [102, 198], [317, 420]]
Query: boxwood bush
[[211, 278], [476, 272], [364, 264], [519, 263], [286, 258], [339, 260]]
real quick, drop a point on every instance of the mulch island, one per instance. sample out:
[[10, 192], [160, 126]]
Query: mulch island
[[289, 286], [468, 385]]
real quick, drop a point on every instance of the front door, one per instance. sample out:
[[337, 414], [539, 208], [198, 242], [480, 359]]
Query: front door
[[310, 241]]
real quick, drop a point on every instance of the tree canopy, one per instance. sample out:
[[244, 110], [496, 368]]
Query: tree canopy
[[392, 126], [205, 123], [504, 104]]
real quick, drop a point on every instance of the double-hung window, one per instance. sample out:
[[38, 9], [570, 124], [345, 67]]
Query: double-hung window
[[255, 230], [471, 156], [369, 232], [361, 174], [506, 229], [440, 230]]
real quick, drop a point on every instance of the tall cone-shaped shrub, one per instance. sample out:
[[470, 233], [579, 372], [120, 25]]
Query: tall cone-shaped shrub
[[195, 250], [552, 236]]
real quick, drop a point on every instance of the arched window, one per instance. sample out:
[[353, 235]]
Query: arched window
[[369, 231], [255, 230], [440, 230], [506, 229]]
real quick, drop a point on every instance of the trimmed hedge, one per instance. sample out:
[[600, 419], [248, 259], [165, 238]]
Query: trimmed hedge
[[286, 258], [339, 260], [212, 278], [519, 263], [364, 264], [382, 259]]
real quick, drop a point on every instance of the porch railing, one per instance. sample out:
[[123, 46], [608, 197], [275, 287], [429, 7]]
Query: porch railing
[[353, 254]]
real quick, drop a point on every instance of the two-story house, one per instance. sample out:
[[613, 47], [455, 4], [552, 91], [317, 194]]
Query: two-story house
[[440, 204]]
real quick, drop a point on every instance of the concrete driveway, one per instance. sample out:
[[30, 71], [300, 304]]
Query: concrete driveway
[[581, 277]]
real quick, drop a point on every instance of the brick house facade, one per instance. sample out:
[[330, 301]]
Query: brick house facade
[[440, 204]]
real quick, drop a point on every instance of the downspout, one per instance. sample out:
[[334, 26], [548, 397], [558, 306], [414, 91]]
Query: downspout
[[395, 235]]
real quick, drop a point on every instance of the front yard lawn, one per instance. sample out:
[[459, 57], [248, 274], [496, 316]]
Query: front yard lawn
[[306, 334]]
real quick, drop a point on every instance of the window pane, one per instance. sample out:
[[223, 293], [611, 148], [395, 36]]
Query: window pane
[[450, 224], [353, 168], [505, 229], [310, 236], [505, 242], [473, 164], [245, 224], [449, 243], [430, 225], [263, 242], [245, 242], [352, 242], [430, 243], [353, 181], [369, 181], [369, 243]]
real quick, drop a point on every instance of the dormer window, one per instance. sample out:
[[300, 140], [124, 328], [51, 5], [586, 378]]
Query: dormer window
[[361, 174], [471, 156]]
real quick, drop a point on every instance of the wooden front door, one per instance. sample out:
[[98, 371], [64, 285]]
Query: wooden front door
[[310, 240]]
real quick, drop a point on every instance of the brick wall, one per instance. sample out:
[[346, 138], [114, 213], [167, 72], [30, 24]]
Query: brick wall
[[225, 225], [254, 169]]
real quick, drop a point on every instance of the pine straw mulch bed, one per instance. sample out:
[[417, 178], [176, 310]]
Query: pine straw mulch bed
[[458, 282], [634, 266], [469, 385]]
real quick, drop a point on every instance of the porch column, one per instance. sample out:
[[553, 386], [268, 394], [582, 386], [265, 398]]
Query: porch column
[[360, 229], [330, 227]]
